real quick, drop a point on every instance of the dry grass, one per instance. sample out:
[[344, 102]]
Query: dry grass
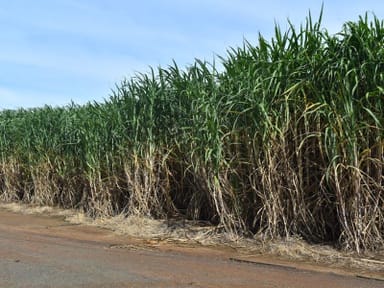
[[136, 226], [298, 250]]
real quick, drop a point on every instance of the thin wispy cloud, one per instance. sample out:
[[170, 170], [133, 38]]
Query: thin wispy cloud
[[77, 50], [15, 98]]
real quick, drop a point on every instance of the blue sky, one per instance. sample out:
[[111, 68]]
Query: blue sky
[[57, 51]]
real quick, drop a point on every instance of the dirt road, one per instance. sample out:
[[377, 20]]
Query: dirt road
[[38, 251]]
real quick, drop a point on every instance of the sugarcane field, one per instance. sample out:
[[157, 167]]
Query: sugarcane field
[[263, 168]]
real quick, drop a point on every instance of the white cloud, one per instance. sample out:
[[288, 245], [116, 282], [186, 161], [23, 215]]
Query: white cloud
[[99, 42], [14, 99]]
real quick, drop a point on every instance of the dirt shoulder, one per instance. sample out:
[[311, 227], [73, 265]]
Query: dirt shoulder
[[47, 251]]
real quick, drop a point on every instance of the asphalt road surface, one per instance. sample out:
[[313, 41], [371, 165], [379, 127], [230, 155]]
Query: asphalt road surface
[[39, 251]]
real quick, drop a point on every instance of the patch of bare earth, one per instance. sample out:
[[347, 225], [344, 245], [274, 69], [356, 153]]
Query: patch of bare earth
[[186, 236]]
